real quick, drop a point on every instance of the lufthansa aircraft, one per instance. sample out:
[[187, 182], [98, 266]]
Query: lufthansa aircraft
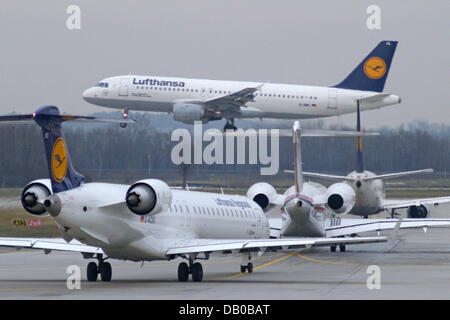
[[369, 188], [145, 221], [206, 100], [309, 209]]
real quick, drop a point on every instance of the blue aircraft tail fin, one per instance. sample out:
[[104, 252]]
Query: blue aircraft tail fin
[[62, 174], [372, 72]]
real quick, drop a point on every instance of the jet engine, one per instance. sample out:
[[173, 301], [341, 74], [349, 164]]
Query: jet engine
[[418, 211], [33, 196], [340, 198], [188, 112], [262, 193], [148, 197]]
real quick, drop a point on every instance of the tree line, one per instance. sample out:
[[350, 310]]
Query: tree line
[[105, 152]]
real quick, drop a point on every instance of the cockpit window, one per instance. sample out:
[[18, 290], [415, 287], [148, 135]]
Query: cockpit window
[[102, 84]]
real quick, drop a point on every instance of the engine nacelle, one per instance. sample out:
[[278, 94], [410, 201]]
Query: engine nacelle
[[148, 197], [33, 196], [418, 211], [340, 198], [262, 193], [188, 112]]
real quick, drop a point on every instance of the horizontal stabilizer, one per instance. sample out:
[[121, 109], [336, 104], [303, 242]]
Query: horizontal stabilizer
[[396, 175], [323, 176], [25, 118]]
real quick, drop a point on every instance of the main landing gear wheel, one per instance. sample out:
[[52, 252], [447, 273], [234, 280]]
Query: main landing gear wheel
[[342, 248], [105, 271], [197, 272], [92, 271], [248, 268], [195, 269], [104, 268], [183, 272], [333, 248]]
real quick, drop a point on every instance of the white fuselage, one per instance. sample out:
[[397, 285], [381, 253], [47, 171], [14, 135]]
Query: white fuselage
[[369, 194], [307, 220], [89, 215], [278, 101]]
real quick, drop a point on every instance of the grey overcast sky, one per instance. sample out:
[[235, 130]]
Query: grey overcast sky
[[298, 42]]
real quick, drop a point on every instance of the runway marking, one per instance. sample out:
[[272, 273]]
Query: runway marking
[[329, 262], [257, 268]]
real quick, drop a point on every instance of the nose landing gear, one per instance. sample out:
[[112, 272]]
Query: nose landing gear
[[124, 116], [229, 125]]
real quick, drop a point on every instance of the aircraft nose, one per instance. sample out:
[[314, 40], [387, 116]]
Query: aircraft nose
[[89, 94]]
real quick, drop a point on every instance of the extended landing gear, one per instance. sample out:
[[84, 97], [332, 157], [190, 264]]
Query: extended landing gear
[[195, 269], [104, 268], [341, 248], [246, 265], [229, 125], [125, 116], [394, 214]]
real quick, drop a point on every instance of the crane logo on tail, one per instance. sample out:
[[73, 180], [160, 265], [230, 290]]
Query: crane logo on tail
[[59, 160], [375, 67]]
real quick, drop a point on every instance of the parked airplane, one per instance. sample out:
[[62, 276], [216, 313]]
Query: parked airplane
[[145, 221], [369, 188], [206, 100], [309, 209]]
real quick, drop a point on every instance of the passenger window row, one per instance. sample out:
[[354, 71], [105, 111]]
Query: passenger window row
[[208, 211], [273, 95]]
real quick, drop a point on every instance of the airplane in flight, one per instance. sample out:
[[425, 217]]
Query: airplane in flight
[[309, 209], [369, 188], [145, 221], [207, 100]]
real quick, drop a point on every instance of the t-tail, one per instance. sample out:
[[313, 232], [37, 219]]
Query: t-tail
[[360, 161], [296, 134], [372, 72], [62, 175], [359, 154]]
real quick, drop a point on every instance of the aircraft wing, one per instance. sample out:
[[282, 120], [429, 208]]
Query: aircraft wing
[[48, 244], [341, 227], [398, 204], [239, 245], [234, 101]]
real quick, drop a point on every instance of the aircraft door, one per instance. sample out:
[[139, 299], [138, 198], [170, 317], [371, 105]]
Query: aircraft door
[[259, 224], [123, 88], [332, 98]]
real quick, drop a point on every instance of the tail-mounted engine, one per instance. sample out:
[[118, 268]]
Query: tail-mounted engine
[[33, 196], [340, 198], [262, 193], [148, 197]]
